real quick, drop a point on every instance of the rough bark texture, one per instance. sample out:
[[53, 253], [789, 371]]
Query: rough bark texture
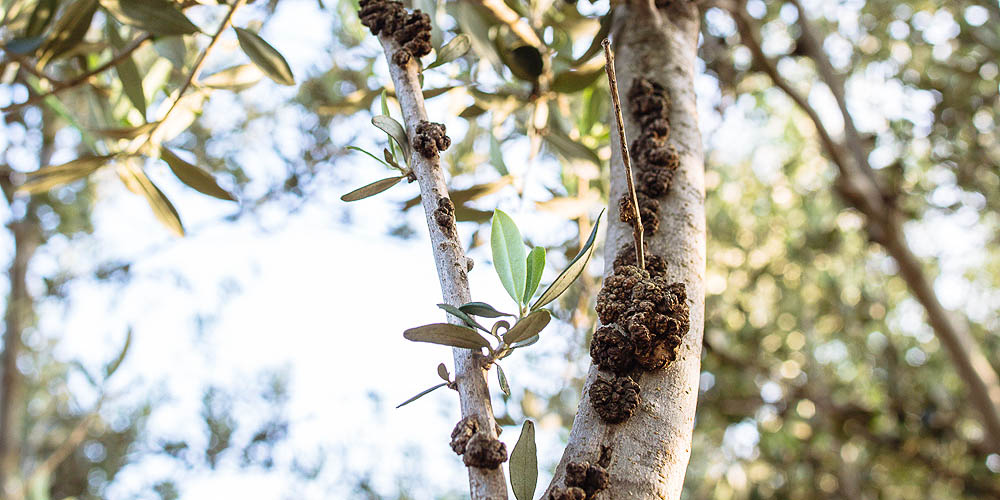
[[652, 448], [449, 257]]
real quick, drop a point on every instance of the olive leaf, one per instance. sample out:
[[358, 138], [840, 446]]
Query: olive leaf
[[266, 57], [571, 81], [127, 132], [69, 30], [422, 394], [572, 271], [535, 264], [447, 334], [40, 18], [159, 17], [523, 463], [128, 72], [443, 372], [525, 343], [509, 258], [371, 189], [194, 177], [482, 309], [46, 178], [455, 48], [235, 78], [504, 386], [458, 313], [390, 126], [136, 180], [112, 367], [529, 326], [496, 156]]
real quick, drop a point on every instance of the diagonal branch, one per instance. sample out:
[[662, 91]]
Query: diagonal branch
[[517, 25], [451, 263], [80, 80], [859, 190]]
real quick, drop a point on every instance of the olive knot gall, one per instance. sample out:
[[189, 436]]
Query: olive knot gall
[[430, 139], [615, 400]]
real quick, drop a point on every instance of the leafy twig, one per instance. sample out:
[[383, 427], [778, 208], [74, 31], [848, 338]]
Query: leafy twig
[[80, 80]]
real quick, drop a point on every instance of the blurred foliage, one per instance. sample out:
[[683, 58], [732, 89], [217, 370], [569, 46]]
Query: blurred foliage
[[820, 378]]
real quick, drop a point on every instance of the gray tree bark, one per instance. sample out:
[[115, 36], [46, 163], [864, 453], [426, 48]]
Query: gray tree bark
[[652, 448], [452, 268]]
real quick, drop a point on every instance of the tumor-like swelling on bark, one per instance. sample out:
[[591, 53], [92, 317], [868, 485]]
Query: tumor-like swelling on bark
[[592, 478], [656, 266], [478, 449], [569, 493], [644, 321], [615, 400], [411, 30], [430, 139], [444, 216]]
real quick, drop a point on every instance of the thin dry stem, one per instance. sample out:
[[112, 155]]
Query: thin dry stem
[[609, 65]]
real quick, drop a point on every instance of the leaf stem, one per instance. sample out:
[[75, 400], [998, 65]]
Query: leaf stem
[[609, 66]]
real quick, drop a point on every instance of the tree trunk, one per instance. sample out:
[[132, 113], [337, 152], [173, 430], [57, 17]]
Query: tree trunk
[[650, 451], [19, 306]]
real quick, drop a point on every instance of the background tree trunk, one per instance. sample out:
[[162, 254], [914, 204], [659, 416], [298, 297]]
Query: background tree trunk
[[651, 449]]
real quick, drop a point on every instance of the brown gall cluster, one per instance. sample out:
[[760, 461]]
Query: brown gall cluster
[[430, 139], [584, 479], [656, 266], [478, 449], [655, 160], [616, 399], [644, 317], [444, 216], [411, 30]]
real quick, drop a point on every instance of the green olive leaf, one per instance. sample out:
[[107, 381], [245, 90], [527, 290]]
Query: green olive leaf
[[371, 189], [482, 309], [159, 17], [46, 178], [572, 271], [137, 181], [422, 394], [535, 264], [458, 313], [509, 258], [235, 78], [194, 177], [128, 72], [525, 343], [571, 81], [266, 57], [504, 386], [112, 367], [390, 126], [529, 326], [455, 48], [376, 158], [523, 465], [447, 334], [443, 372]]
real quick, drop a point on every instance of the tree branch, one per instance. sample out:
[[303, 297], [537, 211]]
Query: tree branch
[[859, 190], [651, 449], [449, 257], [517, 25], [80, 80]]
